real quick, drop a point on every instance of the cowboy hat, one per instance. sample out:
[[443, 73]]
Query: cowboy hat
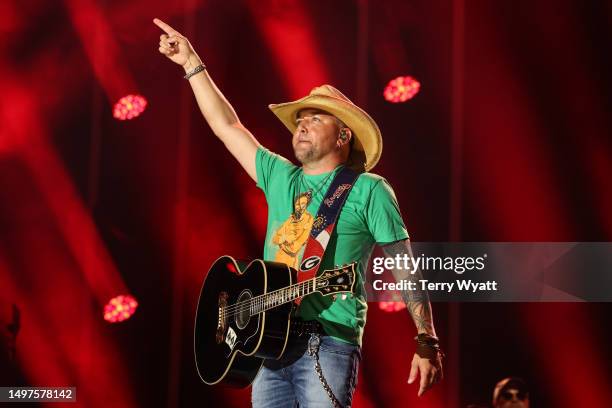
[[367, 146]]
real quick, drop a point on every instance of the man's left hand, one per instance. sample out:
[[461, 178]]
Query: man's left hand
[[429, 371]]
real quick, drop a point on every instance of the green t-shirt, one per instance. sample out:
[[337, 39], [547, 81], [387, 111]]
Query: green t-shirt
[[370, 215]]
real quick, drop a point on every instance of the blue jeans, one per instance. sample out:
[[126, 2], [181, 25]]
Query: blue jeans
[[293, 382]]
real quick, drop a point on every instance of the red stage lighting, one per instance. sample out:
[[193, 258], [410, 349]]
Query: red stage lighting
[[120, 308], [401, 89], [129, 107], [391, 306]]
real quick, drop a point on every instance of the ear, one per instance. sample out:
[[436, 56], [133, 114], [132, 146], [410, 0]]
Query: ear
[[344, 137]]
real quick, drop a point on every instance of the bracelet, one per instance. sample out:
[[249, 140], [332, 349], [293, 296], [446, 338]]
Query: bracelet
[[427, 339], [194, 71], [428, 347], [429, 352]]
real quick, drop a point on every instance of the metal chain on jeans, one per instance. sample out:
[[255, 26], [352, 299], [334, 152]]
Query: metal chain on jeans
[[313, 350]]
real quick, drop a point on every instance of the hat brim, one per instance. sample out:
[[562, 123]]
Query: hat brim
[[367, 136]]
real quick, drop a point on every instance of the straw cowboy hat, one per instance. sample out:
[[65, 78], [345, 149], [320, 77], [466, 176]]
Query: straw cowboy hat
[[367, 146]]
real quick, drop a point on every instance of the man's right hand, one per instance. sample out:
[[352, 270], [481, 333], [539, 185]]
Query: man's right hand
[[215, 108], [176, 47]]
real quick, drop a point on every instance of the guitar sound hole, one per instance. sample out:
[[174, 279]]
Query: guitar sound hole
[[243, 313]]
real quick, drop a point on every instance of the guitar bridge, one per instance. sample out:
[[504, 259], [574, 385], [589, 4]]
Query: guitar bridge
[[222, 318]]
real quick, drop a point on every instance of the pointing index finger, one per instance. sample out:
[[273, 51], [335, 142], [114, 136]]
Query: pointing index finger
[[169, 30]]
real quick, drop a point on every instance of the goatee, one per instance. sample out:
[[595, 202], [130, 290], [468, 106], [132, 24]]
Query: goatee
[[304, 155]]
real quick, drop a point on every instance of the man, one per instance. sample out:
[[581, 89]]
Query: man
[[511, 392], [319, 367]]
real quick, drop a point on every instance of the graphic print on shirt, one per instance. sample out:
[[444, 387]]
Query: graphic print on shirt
[[293, 234]]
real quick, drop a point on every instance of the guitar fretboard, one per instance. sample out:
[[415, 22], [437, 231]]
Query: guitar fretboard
[[267, 301], [279, 297]]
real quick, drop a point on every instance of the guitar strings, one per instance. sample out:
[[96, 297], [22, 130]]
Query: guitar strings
[[300, 285], [258, 304], [259, 301]]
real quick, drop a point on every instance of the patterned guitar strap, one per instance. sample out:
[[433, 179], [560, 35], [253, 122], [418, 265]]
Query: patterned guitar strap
[[320, 234]]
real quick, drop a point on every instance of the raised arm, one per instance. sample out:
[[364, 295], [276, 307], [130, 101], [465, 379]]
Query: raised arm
[[217, 111]]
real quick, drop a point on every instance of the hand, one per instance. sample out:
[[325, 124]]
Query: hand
[[176, 47], [430, 372]]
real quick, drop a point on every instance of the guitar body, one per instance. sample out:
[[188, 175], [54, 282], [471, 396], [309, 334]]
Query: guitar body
[[230, 344]]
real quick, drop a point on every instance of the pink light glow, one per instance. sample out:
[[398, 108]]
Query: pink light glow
[[401, 89], [129, 107], [391, 306], [120, 308]]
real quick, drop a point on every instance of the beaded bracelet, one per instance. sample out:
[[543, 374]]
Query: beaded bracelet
[[194, 71]]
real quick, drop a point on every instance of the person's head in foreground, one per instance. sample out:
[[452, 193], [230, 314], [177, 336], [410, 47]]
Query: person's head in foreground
[[511, 392]]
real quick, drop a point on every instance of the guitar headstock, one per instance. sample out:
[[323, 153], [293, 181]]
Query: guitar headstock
[[340, 279]]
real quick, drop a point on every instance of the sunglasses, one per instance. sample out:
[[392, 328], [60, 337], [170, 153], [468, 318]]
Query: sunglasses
[[509, 395]]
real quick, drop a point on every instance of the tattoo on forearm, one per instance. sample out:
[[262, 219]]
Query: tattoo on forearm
[[421, 314], [417, 301]]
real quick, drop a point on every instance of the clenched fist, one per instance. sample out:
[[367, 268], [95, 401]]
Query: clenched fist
[[176, 47]]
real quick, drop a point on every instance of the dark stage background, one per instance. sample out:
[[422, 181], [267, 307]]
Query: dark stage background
[[507, 140]]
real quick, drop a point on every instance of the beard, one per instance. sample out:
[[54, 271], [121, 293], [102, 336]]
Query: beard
[[305, 153]]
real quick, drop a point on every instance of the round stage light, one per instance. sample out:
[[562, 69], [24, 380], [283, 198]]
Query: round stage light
[[401, 89], [120, 308], [129, 107]]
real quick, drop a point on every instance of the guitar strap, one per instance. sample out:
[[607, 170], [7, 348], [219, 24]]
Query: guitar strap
[[324, 223]]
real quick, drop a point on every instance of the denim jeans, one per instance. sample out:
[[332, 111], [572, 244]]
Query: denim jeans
[[293, 382]]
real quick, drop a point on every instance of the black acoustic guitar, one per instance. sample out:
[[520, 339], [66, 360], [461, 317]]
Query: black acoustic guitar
[[244, 313]]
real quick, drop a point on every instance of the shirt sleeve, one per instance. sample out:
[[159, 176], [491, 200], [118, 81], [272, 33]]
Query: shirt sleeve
[[272, 169], [383, 215]]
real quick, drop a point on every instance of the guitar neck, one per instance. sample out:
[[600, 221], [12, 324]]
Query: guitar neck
[[279, 297], [330, 281]]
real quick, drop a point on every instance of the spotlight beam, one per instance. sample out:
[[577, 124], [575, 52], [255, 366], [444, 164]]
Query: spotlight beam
[[101, 48], [289, 34]]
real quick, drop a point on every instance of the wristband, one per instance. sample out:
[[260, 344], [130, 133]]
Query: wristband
[[194, 71], [427, 339], [428, 347]]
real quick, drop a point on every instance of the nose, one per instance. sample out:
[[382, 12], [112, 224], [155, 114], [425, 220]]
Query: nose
[[303, 124]]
